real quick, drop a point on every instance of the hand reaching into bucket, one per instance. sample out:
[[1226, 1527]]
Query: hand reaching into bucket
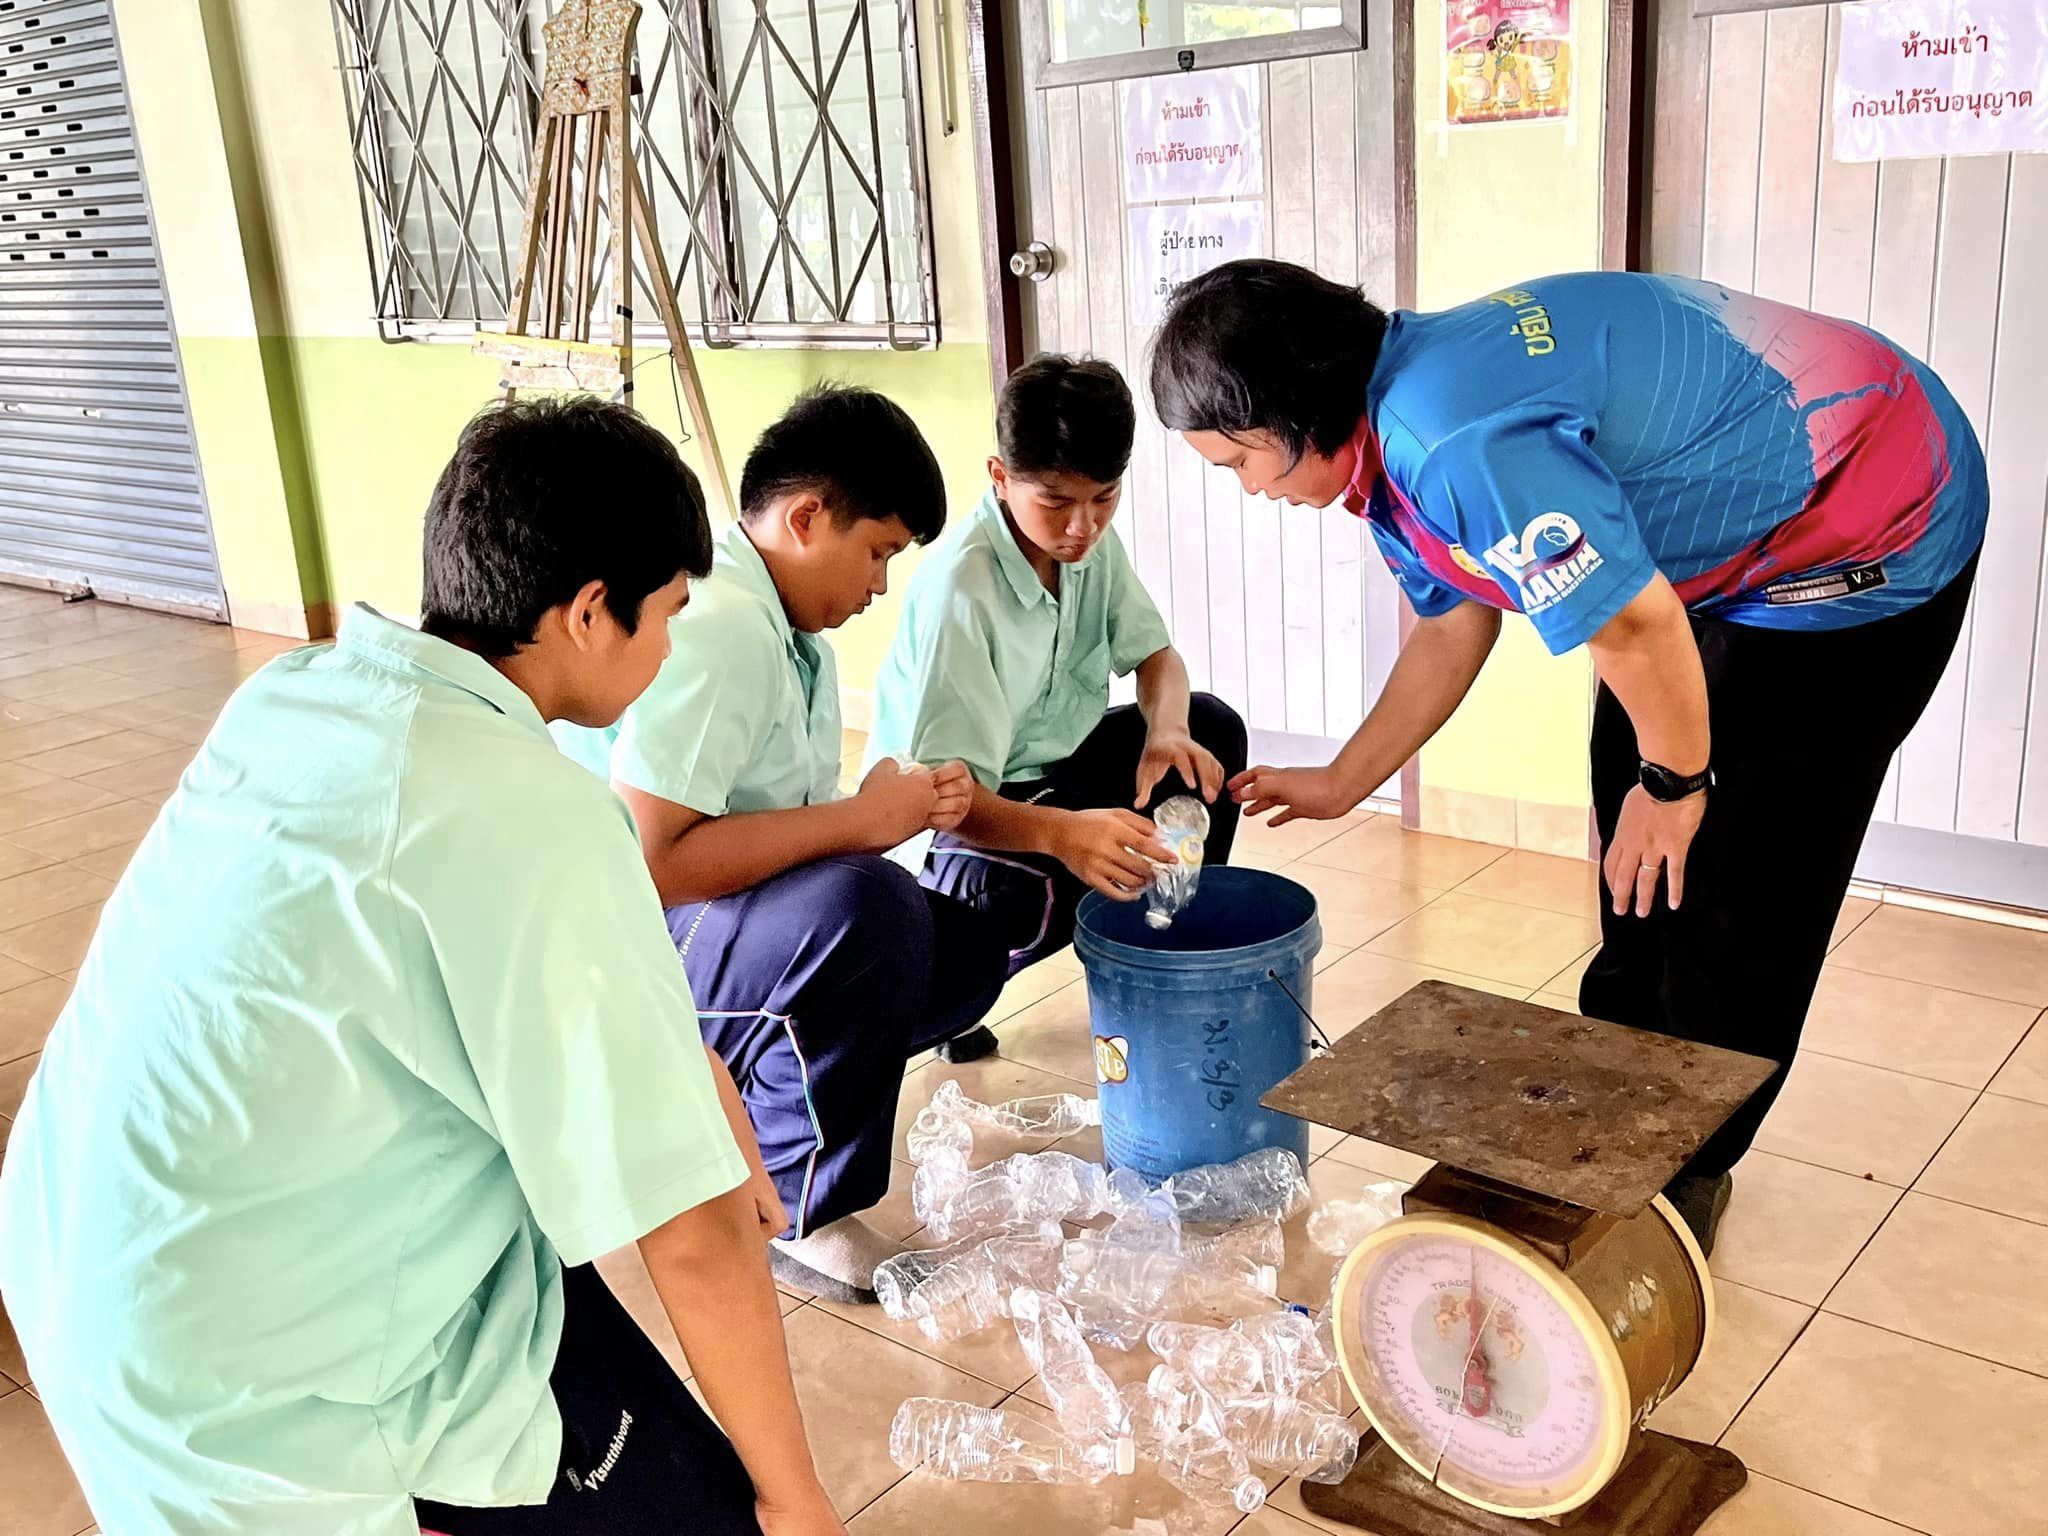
[[1110, 851], [1171, 751]]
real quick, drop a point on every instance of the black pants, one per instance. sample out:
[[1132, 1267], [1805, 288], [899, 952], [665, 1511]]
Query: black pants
[[1805, 723], [1032, 898], [639, 1457]]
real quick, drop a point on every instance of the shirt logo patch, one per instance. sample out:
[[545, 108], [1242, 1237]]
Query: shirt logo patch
[[1532, 321], [1549, 560], [1823, 589]]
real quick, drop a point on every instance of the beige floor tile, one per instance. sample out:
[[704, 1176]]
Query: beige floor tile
[[1566, 982], [2025, 1075], [115, 691], [41, 1497], [991, 1080], [993, 1355], [6, 1130], [1955, 1276], [1855, 909], [109, 863], [164, 704], [14, 1076], [48, 891], [1379, 1161], [1908, 1026], [1053, 1035], [96, 752], [18, 712], [117, 826], [892, 1215], [1562, 1002], [1793, 1229], [849, 1382], [17, 859], [38, 682], [1365, 981], [12, 1365], [54, 945], [160, 770], [1954, 952], [189, 730], [1570, 886], [1265, 846], [1273, 1522], [1904, 1430], [26, 1014], [1997, 1159], [29, 739], [1025, 988], [1859, 1119], [923, 1505], [1752, 1331], [1382, 848], [1767, 1507], [48, 802], [16, 778], [1523, 946], [1356, 908]]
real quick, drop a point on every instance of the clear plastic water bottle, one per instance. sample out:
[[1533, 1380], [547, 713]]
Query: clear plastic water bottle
[[1266, 1183], [1292, 1438], [1224, 1362], [1026, 1189], [960, 1289], [1045, 1114], [1295, 1360], [1145, 1217], [1210, 1470], [1260, 1243], [939, 1138], [1118, 1292], [1183, 824], [1337, 1226], [1089, 1406], [985, 1445]]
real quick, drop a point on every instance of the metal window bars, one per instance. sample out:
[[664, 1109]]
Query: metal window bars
[[781, 143]]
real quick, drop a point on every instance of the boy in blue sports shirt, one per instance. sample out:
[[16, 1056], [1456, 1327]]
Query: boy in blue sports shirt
[[1010, 633], [819, 967]]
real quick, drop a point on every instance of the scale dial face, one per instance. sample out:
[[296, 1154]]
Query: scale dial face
[[1479, 1362]]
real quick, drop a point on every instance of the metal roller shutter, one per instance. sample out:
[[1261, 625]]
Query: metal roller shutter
[[99, 478]]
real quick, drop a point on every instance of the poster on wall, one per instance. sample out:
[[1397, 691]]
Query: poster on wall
[[1172, 242], [1193, 135], [1941, 77], [1507, 61]]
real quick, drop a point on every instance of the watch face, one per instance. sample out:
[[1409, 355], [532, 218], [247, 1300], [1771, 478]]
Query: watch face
[[1481, 1372]]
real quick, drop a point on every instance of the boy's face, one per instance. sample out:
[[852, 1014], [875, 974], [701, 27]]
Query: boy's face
[[613, 666], [837, 569], [1064, 514], [1264, 468]]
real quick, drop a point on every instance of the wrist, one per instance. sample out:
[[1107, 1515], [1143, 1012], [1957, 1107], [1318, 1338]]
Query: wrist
[[1667, 785]]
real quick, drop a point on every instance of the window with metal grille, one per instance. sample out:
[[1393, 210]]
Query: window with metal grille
[[781, 143]]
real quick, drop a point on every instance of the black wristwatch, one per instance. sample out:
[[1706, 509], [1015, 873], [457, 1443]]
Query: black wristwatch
[[1665, 785]]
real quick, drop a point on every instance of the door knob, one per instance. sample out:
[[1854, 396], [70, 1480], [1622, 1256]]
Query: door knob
[[1035, 261]]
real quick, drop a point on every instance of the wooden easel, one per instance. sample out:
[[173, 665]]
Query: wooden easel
[[586, 109]]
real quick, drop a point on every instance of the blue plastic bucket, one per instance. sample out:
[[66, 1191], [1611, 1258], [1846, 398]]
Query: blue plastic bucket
[[1193, 1023]]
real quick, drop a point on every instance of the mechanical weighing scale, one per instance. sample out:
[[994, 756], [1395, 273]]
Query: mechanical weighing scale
[[1509, 1334]]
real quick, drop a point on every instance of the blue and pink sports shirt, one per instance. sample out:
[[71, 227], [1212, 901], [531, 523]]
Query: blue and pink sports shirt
[[1550, 447]]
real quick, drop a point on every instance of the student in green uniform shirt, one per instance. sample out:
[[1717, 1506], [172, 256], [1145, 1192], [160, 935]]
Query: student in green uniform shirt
[[819, 967], [380, 1030], [1010, 634]]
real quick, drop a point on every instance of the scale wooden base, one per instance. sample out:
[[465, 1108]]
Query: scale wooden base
[[1667, 1487]]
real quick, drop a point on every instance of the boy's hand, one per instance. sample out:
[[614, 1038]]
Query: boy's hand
[[899, 800], [1167, 750], [1304, 794], [1109, 851], [955, 787]]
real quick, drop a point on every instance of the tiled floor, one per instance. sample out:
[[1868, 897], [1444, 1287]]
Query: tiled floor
[[1882, 1360]]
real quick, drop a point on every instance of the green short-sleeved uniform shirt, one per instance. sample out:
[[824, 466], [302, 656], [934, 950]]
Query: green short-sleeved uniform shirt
[[744, 714], [989, 667], [381, 1026]]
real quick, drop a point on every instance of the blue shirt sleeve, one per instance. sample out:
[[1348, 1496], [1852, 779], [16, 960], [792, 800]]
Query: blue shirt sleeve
[[1532, 500], [1426, 595]]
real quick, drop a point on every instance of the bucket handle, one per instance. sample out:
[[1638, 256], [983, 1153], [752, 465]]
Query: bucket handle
[[1322, 1041]]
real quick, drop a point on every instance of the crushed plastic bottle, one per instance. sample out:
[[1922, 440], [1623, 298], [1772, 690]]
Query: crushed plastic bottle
[[935, 1138], [1183, 825], [1089, 1407], [1044, 1114], [1210, 1470], [1118, 1292], [1224, 1362], [961, 1288], [1295, 1359], [985, 1445], [1337, 1226], [1261, 1243], [1028, 1188], [1266, 1183], [1292, 1438]]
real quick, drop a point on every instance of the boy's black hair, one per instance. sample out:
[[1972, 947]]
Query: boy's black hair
[[1066, 415], [544, 496], [858, 452], [1265, 346]]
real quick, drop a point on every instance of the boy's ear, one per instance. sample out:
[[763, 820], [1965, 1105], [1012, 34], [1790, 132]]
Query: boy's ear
[[804, 517], [585, 614], [998, 476]]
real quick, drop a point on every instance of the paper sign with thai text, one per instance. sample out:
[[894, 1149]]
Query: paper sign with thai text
[[1173, 242], [1941, 77], [1193, 135], [1507, 61]]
